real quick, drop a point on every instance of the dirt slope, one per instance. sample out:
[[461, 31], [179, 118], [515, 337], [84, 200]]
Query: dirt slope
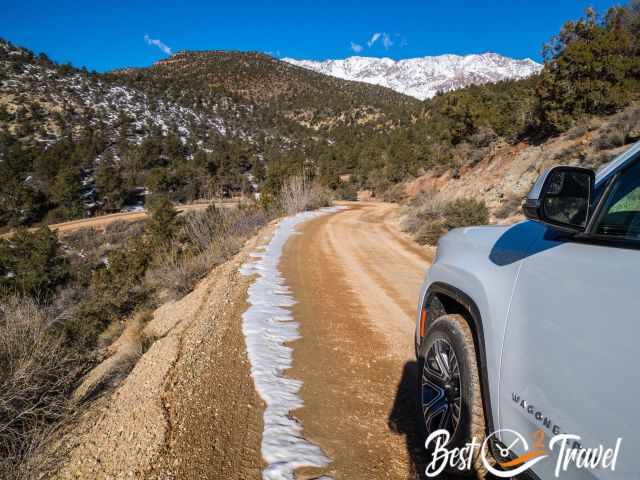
[[189, 408], [356, 279], [505, 173]]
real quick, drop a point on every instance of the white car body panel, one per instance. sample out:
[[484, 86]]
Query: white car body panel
[[571, 350]]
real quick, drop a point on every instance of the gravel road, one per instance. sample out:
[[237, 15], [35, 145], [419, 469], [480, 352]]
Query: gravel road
[[356, 279]]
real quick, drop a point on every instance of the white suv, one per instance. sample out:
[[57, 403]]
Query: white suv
[[535, 328]]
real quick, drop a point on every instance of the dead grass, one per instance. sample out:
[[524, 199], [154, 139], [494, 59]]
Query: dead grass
[[41, 376], [178, 271], [212, 236]]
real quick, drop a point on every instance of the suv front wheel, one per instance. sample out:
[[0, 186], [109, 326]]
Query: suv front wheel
[[449, 386]]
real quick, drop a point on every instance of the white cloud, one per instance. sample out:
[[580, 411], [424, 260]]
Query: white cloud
[[374, 38], [158, 43], [386, 41], [356, 47]]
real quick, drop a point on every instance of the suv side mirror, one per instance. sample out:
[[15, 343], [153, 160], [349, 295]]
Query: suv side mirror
[[561, 198]]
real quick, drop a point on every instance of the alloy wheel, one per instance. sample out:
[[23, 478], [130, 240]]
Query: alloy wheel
[[441, 388]]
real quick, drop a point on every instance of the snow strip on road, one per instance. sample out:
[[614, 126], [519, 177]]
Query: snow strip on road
[[267, 326]]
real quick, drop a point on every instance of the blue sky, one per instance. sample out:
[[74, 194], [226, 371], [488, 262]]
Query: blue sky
[[107, 35]]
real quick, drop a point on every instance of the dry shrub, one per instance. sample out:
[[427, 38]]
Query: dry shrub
[[483, 137], [423, 218], [584, 126], [84, 240], [37, 372], [427, 217], [429, 232], [177, 272], [119, 231], [210, 238], [88, 247], [216, 225], [578, 130], [570, 154], [297, 196], [477, 155], [319, 197], [396, 194], [424, 207], [294, 196], [621, 130], [464, 212], [612, 137]]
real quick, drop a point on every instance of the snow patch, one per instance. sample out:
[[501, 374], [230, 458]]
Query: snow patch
[[268, 326]]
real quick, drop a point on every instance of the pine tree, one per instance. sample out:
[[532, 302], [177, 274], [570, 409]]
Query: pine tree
[[32, 263], [110, 184], [592, 68], [66, 194], [163, 224]]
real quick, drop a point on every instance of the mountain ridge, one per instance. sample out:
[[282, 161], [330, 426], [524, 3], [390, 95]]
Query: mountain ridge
[[424, 77]]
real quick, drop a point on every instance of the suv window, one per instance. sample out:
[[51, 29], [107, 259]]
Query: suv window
[[621, 213]]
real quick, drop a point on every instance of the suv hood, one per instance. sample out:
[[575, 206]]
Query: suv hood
[[501, 244], [476, 238]]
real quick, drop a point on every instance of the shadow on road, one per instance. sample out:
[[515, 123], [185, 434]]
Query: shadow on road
[[403, 420]]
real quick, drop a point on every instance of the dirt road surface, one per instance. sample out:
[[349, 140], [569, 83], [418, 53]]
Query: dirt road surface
[[356, 279], [101, 221]]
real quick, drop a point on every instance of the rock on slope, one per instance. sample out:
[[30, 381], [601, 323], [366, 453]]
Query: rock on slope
[[425, 76]]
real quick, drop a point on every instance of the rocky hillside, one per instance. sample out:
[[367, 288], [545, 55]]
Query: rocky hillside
[[423, 77], [42, 102], [75, 143], [504, 173], [278, 90]]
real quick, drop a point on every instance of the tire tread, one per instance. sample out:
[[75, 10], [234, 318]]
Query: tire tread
[[477, 421]]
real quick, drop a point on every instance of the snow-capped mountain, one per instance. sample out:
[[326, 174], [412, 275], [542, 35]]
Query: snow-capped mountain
[[423, 77]]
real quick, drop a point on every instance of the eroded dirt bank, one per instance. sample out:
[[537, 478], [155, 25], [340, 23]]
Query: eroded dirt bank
[[189, 408], [356, 279]]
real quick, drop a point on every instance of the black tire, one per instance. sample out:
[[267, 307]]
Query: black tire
[[450, 339]]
